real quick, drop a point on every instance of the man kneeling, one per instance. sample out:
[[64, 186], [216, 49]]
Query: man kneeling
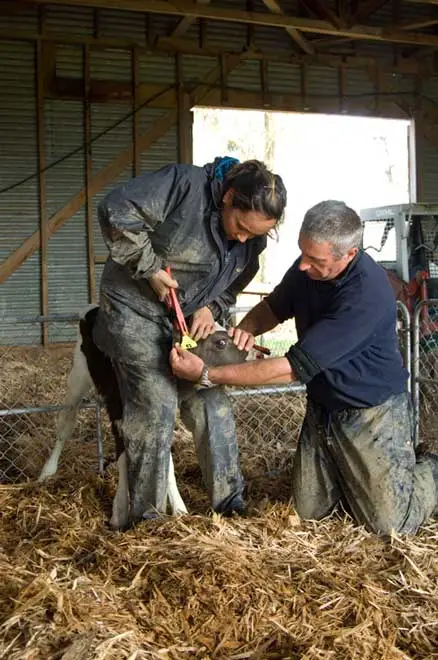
[[356, 444]]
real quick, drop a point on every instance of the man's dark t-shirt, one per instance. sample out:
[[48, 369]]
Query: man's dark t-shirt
[[347, 351]]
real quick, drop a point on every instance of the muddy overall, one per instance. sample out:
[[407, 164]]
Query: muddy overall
[[150, 397], [366, 458]]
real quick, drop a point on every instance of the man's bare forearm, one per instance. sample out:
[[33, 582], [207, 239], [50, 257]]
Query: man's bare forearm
[[259, 320], [257, 372]]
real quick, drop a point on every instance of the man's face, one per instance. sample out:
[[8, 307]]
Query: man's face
[[318, 260], [243, 225]]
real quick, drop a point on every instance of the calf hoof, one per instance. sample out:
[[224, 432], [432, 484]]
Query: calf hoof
[[233, 505]]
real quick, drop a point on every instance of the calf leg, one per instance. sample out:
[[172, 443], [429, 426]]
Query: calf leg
[[176, 502], [120, 515], [79, 383]]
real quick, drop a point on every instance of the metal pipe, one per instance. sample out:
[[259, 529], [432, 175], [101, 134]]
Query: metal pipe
[[270, 389], [407, 340], [415, 372], [40, 409], [99, 439], [40, 318]]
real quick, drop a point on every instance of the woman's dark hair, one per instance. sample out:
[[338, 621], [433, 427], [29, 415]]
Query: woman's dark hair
[[256, 189]]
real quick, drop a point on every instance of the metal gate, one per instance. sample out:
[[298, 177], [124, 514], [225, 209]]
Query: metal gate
[[425, 372]]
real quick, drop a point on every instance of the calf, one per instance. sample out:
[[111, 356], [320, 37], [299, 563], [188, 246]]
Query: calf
[[92, 367]]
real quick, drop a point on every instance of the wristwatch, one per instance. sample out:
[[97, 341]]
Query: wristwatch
[[204, 380]]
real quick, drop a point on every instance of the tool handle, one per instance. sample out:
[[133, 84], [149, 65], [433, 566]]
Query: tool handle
[[262, 349], [174, 302]]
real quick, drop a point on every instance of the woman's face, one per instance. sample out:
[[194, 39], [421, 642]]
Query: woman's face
[[243, 225]]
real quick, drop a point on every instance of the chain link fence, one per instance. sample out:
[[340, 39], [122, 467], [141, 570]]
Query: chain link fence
[[34, 382], [425, 372], [268, 419]]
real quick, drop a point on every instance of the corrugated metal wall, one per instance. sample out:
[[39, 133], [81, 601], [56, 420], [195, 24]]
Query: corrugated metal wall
[[67, 259], [19, 207]]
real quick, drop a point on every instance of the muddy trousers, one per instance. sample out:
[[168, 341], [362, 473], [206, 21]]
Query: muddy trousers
[[366, 459], [150, 399]]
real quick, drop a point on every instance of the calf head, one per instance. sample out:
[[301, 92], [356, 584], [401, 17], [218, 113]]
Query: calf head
[[218, 349]]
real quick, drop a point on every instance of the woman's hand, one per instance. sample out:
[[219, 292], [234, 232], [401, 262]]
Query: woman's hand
[[203, 324], [161, 283], [185, 364], [242, 339]]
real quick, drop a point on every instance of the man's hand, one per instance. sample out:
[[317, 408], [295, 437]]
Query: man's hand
[[242, 339], [202, 324], [161, 283], [185, 365]]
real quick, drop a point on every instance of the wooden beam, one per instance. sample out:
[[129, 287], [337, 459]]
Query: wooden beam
[[305, 102], [99, 181], [135, 86], [417, 25], [321, 9], [186, 22], [42, 198], [416, 161], [367, 9], [184, 8], [107, 174], [294, 34], [184, 117], [424, 2], [88, 159], [408, 65]]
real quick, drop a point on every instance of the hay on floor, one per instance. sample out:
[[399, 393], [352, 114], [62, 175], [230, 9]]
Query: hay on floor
[[204, 587], [264, 587]]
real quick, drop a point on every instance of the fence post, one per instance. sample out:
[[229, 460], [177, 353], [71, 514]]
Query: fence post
[[406, 334], [416, 372]]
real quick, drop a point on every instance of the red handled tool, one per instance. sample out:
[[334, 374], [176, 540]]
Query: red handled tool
[[172, 300], [186, 341]]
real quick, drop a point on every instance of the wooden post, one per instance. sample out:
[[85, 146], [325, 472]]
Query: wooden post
[[342, 79], [185, 154], [416, 139], [135, 79], [88, 160], [42, 199], [304, 85], [223, 79], [264, 84], [203, 33]]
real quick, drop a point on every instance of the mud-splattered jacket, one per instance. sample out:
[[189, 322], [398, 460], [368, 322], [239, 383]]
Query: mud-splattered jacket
[[171, 217]]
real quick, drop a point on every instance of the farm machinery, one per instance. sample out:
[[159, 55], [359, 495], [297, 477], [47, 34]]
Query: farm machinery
[[404, 240]]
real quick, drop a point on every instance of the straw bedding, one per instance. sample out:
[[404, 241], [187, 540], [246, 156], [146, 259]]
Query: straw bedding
[[264, 587]]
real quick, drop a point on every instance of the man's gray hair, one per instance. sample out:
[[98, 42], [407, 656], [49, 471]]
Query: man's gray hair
[[333, 222]]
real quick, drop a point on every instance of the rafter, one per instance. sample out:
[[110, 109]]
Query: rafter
[[320, 9], [367, 9], [274, 6], [417, 25], [407, 65], [424, 2], [182, 7], [186, 22]]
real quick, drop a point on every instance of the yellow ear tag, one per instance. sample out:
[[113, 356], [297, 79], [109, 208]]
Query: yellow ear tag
[[187, 343]]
